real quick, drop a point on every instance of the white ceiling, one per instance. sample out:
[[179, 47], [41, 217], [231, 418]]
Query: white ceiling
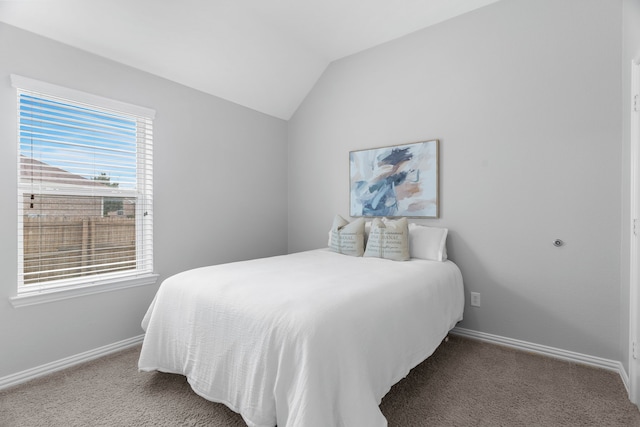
[[263, 54]]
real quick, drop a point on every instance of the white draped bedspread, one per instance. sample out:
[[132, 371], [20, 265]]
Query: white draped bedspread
[[311, 339]]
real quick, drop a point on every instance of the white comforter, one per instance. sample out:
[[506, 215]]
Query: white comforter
[[308, 339]]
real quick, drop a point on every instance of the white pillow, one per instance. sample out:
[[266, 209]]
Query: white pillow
[[347, 238], [389, 239], [367, 229], [428, 242]]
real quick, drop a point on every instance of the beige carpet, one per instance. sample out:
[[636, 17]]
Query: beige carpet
[[465, 383]]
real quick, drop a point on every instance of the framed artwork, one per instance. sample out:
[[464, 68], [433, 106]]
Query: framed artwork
[[401, 180]]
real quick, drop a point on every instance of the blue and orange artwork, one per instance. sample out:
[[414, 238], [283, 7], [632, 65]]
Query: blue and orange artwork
[[395, 181]]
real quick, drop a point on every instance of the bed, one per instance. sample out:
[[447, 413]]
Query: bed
[[312, 339]]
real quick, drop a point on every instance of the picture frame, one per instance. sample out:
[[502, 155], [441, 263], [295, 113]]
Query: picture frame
[[395, 181]]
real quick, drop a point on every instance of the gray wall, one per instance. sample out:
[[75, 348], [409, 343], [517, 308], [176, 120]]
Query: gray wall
[[525, 98], [220, 195]]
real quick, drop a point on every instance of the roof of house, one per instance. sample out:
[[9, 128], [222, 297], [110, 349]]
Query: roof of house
[[36, 170]]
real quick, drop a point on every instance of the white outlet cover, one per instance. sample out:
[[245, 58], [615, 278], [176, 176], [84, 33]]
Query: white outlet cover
[[475, 299]]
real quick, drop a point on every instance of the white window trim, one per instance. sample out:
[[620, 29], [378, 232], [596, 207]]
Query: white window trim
[[46, 295], [41, 295]]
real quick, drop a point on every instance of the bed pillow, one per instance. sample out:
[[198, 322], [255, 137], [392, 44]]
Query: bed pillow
[[389, 239], [428, 242], [347, 238]]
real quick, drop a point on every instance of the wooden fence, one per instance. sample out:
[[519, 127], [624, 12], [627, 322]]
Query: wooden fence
[[67, 247]]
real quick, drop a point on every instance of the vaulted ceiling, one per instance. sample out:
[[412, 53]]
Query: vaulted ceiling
[[262, 54]]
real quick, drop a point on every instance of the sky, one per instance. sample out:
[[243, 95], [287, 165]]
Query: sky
[[82, 140]]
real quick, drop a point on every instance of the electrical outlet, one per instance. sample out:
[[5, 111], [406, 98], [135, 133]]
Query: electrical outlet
[[475, 299]]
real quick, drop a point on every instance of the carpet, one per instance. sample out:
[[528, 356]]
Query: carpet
[[464, 383]]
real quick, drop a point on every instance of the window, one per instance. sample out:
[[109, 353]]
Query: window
[[85, 195]]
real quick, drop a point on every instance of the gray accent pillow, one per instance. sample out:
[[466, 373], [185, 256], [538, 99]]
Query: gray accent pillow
[[389, 239], [347, 238]]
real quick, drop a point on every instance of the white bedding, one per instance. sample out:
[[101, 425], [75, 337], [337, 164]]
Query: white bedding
[[308, 339]]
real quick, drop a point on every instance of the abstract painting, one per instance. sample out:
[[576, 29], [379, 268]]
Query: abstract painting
[[395, 181]]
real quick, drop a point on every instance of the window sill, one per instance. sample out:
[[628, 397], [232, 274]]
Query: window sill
[[57, 294]]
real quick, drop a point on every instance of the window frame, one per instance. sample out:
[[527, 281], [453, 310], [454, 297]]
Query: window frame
[[144, 274]]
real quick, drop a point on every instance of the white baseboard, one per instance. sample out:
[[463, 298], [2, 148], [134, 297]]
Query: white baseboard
[[570, 356], [67, 362]]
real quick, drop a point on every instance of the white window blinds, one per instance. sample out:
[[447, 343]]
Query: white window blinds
[[85, 190]]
